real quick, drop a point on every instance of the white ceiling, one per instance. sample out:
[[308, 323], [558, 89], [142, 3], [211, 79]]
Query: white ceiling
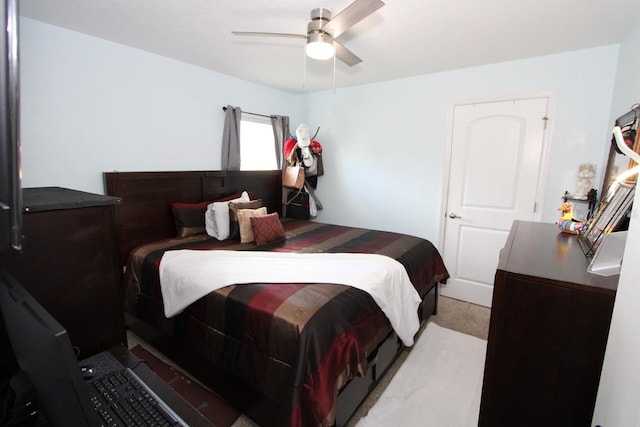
[[404, 38]]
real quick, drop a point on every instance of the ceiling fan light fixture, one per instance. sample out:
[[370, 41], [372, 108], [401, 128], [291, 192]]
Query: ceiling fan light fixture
[[322, 29], [319, 46]]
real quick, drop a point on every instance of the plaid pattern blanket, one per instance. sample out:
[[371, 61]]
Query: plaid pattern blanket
[[296, 343]]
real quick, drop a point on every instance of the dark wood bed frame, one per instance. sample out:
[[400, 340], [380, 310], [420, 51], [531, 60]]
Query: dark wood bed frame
[[145, 216], [145, 213]]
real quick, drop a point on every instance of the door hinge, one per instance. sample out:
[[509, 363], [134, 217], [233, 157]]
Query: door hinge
[[535, 207], [545, 119]]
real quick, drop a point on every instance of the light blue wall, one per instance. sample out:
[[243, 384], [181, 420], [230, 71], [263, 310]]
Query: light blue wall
[[90, 106], [385, 143]]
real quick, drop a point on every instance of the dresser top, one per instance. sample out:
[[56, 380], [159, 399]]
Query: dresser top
[[541, 250], [40, 199]]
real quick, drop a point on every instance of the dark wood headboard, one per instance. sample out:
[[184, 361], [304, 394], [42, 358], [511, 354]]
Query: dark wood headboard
[[145, 212]]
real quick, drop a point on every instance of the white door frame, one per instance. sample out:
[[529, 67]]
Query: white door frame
[[544, 161]]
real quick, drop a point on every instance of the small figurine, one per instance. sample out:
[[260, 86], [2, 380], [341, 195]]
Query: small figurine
[[567, 223], [586, 173]]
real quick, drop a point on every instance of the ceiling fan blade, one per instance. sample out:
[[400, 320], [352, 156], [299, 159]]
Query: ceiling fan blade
[[351, 15], [345, 55], [253, 33]]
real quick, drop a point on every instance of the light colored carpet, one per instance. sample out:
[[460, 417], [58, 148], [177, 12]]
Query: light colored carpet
[[463, 317], [453, 314], [439, 384]]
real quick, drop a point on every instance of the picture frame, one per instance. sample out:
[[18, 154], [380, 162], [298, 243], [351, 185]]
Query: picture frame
[[609, 216]]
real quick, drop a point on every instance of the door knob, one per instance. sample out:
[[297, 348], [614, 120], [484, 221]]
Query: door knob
[[453, 215]]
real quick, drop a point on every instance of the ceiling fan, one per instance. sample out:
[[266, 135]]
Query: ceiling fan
[[322, 31]]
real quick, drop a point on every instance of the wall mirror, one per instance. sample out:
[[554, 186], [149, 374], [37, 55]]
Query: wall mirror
[[610, 216], [618, 189], [617, 162]]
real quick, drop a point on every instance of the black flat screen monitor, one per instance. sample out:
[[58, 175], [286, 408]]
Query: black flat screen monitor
[[44, 352]]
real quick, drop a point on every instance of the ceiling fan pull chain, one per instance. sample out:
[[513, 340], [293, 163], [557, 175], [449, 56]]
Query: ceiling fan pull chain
[[304, 69]]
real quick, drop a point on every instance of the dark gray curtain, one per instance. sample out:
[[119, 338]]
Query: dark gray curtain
[[280, 126], [280, 134], [231, 139]]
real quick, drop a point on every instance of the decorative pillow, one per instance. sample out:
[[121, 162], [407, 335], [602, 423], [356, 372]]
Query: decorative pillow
[[244, 222], [189, 218], [267, 229], [230, 197], [217, 216], [234, 229]]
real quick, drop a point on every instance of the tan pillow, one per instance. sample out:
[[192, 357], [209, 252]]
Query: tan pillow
[[244, 222], [234, 228]]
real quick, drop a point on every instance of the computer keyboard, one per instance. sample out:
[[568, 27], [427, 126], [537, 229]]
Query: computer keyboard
[[122, 399]]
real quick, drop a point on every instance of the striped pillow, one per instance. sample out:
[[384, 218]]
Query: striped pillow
[[189, 218]]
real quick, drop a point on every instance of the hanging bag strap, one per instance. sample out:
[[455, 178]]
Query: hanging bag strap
[[294, 197]]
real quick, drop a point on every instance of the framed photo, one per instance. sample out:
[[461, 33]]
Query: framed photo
[[610, 214]]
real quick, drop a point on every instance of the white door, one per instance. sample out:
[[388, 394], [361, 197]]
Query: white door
[[496, 151]]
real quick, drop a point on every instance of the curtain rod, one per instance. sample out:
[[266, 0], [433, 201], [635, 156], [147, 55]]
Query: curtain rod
[[247, 112]]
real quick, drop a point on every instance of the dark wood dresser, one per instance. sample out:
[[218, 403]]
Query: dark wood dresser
[[70, 265], [548, 332]]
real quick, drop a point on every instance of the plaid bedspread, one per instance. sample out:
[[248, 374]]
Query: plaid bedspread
[[296, 343]]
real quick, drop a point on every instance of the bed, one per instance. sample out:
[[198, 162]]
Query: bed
[[286, 354]]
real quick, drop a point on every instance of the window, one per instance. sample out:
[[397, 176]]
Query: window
[[257, 147]]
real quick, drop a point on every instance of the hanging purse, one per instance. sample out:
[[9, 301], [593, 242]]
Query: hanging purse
[[293, 177], [297, 205]]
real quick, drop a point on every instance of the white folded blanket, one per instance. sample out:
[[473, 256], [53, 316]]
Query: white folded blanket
[[188, 275]]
